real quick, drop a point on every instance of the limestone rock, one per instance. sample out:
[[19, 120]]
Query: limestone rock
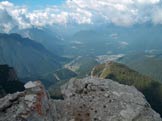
[[93, 99], [88, 99], [31, 105], [29, 85]]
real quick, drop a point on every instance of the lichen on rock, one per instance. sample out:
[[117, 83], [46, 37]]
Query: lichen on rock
[[93, 99], [88, 99], [31, 105]]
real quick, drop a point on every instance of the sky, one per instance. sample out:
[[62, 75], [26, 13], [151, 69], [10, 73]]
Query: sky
[[23, 14], [36, 3]]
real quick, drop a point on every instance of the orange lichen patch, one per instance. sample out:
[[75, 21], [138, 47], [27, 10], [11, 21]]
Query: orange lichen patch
[[39, 105]]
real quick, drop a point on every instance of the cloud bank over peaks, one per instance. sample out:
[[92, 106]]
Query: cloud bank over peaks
[[118, 12]]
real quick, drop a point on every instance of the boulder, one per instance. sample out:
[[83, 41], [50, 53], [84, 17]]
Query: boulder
[[93, 99], [31, 105]]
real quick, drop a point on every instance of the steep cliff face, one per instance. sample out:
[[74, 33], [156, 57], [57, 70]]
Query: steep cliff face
[[9, 82], [88, 99], [7, 73], [28, 57]]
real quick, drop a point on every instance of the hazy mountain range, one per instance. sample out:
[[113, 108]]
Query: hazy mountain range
[[28, 57], [112, 39], [49, 39]]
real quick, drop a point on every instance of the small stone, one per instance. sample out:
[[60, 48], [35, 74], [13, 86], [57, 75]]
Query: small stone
[[106, 95], [29, 85], [30, 98]]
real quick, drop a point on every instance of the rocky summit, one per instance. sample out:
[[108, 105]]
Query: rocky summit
[[31, 105], [88, 99]]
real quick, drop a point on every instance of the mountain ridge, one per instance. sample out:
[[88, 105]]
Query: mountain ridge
[[118, 72], [28, 57]]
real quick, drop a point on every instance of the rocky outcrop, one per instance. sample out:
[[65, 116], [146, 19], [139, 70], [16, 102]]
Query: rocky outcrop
[[151, 89], [93, 99], [88, 99], [31, 105]]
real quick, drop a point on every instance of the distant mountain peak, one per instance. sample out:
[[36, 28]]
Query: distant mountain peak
[[27, 56]]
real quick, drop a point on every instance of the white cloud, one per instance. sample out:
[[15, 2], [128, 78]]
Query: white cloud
[[148, 1], [118, 12], [157, 16]]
